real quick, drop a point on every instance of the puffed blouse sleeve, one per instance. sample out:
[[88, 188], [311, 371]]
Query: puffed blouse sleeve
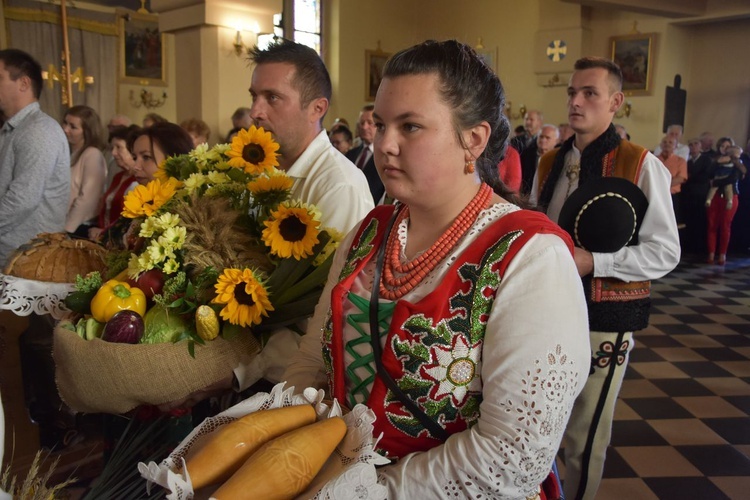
[[306, 368], [535, 360]]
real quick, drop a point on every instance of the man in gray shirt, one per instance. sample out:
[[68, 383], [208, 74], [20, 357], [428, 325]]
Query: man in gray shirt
[[34, 157]]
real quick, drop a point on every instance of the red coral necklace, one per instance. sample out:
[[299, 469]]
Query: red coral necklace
[[411, 273]]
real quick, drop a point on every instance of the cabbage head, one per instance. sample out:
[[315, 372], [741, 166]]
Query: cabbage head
[[163, 326]]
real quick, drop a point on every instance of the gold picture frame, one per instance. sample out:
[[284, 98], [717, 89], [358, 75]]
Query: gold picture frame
[[142, 50], [635, 56], [374, 62]]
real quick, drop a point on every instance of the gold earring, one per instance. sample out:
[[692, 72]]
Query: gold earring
[[469, 167]]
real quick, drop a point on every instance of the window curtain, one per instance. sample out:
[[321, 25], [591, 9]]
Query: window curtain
[[36, 28]]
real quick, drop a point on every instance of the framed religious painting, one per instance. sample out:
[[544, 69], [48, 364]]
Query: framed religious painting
[[374, 62], [142, 50], [635, 56]]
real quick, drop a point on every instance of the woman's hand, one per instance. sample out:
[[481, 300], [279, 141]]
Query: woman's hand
[[95, 233]]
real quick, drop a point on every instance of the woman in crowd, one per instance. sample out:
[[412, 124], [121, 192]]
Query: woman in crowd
[[152, 119], [471, 385], [152, 145], [122, 183], [198, 129], [88, 169], [721, 208]]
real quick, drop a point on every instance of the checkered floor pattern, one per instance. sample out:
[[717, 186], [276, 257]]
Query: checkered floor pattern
[[682, 423]]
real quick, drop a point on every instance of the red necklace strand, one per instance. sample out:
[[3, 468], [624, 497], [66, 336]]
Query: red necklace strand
[[414, 271]]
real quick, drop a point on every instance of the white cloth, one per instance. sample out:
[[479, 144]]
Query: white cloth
[[658, 248], [532, 368], [87, 177], [25, 297], [324, 177], [681, 150]]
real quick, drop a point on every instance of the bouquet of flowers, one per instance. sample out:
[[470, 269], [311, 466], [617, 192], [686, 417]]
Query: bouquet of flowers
[[217, 249]]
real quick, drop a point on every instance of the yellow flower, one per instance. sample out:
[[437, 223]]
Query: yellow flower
[[146, 200], [245, 297], [331, 246], [253, 150], [292, 230], [215, 177], [276, 181], [161, 171], [171, 266], [173, 237], [194, 182]]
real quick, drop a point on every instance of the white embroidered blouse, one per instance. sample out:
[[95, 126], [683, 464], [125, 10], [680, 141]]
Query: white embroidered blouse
[[535, 360]]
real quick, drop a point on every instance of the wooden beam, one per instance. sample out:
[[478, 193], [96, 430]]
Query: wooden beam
[[666, 8]]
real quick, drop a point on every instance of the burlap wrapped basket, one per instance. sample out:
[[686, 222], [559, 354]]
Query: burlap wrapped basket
[[99, 376], [56, 258]]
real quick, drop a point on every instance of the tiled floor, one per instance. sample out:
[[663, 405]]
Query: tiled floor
[[682, 423]]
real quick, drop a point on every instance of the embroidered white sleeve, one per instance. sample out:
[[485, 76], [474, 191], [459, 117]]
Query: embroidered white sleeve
[[534, 363]]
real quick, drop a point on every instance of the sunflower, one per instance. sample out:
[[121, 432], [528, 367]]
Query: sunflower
[[146, 200], [161, 171], [292, 230], [253, 150], [244, 296], [270, 190]]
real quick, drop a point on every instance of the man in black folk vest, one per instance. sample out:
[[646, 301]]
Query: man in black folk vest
[[617, 283]]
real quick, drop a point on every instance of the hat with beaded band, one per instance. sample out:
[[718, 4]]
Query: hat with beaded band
[[604, 214]]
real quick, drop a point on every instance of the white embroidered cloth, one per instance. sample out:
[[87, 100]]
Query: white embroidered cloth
[[348, 474], [24, 297]]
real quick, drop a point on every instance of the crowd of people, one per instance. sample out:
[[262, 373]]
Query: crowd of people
[[455, 235]]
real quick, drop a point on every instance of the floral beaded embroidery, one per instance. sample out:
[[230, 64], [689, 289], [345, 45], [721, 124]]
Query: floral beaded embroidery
[[441, 362], [360, 249]]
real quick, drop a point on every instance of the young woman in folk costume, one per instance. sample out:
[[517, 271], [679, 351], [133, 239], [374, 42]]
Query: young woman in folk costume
[[481, 342]]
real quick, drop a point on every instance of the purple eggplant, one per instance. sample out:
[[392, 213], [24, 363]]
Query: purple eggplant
[[125, 327]]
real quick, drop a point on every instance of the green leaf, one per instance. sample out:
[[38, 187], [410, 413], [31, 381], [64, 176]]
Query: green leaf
[[298, 269], [236, 175], [291, 312], [316, 278], [230, 331]]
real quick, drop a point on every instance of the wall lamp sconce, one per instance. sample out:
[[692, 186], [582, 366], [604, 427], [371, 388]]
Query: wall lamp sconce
[[509, 111], [239, 44], [147, 99], [624, 111]]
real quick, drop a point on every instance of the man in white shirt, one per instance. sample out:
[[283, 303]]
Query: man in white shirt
[[617, 284], [682, 150], [291, 91]]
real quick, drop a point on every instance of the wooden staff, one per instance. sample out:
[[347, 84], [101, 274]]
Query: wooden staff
[[67, 84]]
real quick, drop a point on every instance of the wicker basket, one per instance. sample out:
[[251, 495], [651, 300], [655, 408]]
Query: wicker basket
[[56, 258], [98, 376]]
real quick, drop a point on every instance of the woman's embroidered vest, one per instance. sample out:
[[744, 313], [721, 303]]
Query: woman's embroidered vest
[[433, 348], [614, 305]]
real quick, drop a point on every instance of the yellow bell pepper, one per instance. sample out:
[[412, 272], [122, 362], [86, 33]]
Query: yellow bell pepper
[[116, 296]]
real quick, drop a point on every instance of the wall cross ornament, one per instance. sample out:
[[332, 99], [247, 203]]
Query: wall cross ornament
[[557, 50]]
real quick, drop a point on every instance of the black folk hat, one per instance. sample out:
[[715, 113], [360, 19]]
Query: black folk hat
[[604, 214]]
